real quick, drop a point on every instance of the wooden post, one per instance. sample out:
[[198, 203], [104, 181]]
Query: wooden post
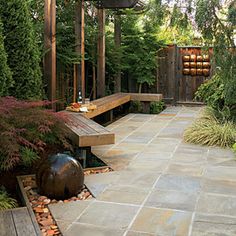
[[117, 36], [101, 54], [82, 53], [75, 83], [178, 72], [77, 68], [171, 72], [79, 75], [94, 83], [50, 48], [54, 60], [47, 45]]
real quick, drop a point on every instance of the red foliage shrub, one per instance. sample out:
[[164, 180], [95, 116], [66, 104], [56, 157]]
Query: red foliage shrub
[[26, 128]]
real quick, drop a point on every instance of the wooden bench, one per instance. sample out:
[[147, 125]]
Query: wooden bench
[[86, 132], [115, 100], [146, 97], [18, 221], [108, 103]]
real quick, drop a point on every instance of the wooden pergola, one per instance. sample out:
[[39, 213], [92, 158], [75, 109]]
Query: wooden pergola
[[79, 70]]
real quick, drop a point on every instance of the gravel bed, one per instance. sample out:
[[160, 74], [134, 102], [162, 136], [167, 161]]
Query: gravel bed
[[40, 203]]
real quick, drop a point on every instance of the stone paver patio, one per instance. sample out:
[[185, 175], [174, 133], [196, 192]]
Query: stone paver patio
[[161, 186]]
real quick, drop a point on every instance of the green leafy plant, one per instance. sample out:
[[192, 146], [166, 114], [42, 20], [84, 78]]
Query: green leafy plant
[[213, 93], [136, 107], [157, 107], [6, 202], [26, 130], [210, 131], [234, 147], [217, 24]]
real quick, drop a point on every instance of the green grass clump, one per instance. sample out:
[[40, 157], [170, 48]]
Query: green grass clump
[[6, 202], [208, 130]]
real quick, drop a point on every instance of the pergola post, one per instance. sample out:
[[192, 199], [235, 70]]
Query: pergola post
[[50, 49], [117, 36], [101, 54], [79, 70]]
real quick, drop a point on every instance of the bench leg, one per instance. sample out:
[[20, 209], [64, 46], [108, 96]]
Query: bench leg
[[84, 157], [82, 154], [111, 115]]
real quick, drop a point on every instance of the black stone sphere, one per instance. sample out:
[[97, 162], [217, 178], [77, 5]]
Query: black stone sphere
[[60, 177]]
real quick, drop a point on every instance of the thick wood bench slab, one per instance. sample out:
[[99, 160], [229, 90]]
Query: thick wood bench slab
[[146, 97], [18, 222], [115, 100], [86, 132], [108, 103]]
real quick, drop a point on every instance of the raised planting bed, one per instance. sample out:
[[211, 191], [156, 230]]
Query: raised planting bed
[[38, 204]]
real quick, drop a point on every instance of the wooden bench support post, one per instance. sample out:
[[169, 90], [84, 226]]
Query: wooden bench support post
[[111, 115], [84, 157], [82, 154]]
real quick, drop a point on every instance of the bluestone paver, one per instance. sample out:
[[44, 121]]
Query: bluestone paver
[[110, 215], [160, 186], [213, 225], [172, 200], [162, 222], [77, 229]]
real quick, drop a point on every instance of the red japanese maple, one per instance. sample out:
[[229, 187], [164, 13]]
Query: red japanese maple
[[26, 128]]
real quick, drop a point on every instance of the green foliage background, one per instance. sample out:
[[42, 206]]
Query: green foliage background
[[22, 49], [217, 24], [6, 81], [143, 33]]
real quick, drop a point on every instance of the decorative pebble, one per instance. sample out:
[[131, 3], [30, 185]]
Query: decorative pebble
[[40, 203]]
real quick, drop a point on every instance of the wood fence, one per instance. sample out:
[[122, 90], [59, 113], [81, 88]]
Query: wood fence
[[171, 80]]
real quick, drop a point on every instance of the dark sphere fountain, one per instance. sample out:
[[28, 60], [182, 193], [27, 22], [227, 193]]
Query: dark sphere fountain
[[60, 177]]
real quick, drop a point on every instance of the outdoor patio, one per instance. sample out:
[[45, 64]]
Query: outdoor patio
[[160, 186]]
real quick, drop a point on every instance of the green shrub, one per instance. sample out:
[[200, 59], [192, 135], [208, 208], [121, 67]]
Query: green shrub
[[5, 73], [26, 129], [22, 49], [234, 147], [210, 131], [157, 107], [213, 93], [6, 202], [136, 107]]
